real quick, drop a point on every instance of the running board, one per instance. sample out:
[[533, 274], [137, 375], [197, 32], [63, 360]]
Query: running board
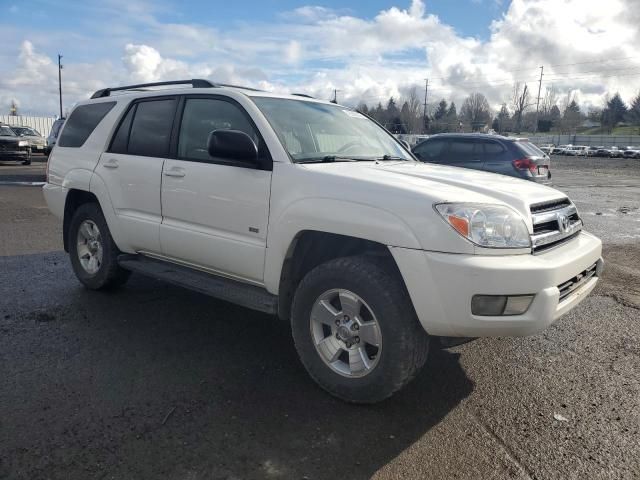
[[249, 296]]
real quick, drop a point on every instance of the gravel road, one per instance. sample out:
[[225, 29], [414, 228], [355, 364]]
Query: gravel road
[[152, 381]]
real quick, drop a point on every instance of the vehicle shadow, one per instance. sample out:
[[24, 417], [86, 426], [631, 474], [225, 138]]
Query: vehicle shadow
[[152, 381]]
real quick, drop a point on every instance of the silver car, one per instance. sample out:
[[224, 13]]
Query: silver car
[[35, 139], [53, 135]]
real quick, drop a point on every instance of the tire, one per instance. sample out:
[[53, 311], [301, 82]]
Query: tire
[[404, 344], [102, 274]]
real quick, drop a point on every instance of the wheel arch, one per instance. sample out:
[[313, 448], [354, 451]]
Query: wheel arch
[[310, 248], [75, 198]]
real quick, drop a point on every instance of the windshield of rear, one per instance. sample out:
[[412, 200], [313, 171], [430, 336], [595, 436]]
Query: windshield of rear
[[530, 149], [313, 131]]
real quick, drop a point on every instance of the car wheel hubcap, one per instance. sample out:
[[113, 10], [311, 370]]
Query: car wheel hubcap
[[346, 333], [89, 247]]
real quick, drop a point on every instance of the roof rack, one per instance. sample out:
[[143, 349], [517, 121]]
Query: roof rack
[[194, 82], [302, 95]]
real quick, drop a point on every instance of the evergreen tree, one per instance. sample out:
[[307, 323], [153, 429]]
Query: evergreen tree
[[503, 120], [555, 116], [441, 111], [634, 110], [615, 111], [452, 118], [572, 116], [362, 107]]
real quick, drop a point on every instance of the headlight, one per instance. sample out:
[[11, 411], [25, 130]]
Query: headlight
[[23, 143], [492, 226]]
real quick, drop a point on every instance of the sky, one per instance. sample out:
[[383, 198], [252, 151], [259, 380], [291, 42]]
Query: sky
[[368, 51]]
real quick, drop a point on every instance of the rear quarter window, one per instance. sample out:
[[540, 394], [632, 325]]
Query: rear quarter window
[[82, 122], [530, 149]]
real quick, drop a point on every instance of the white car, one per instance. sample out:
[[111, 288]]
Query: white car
[[312, 212], [577, 151]]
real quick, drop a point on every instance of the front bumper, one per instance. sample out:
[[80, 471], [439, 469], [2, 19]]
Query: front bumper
[[441, 286], [14, 155]]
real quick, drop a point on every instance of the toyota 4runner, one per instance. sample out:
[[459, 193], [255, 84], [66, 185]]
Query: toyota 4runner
[[312, 212]]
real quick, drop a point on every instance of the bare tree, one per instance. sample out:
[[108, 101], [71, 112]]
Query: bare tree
[[548, 101], [520, 102], [476, 111], [413, 119]]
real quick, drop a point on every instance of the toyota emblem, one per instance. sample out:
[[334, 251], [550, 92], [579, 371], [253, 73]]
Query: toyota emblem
[[563, 223]]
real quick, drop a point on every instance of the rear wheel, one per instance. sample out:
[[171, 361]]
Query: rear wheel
[[356, 331], [93, 253]]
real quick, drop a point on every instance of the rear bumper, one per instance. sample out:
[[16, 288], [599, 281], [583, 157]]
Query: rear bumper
[[441, 286]]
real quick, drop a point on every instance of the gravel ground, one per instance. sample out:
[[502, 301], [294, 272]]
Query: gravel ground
[[152, 381]]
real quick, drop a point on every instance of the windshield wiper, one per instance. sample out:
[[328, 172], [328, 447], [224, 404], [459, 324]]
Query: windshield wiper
[[333, 158], [390, 157]]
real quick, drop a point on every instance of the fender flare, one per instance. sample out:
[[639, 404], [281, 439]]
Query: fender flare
[[338, 217]]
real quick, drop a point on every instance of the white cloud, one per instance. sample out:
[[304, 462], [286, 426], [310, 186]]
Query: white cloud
[[584, 46]]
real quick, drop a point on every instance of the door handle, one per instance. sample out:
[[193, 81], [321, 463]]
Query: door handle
[[111, 163], [175, 172]]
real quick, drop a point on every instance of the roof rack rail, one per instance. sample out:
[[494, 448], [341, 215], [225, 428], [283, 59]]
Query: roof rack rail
[[194, 82], [302, 95], [238, 86]]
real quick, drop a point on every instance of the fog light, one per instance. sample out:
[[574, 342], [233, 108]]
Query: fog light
[[498, 305]]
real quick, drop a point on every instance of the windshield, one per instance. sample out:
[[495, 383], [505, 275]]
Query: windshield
[[25, 131], [6, 132], [312, 131]]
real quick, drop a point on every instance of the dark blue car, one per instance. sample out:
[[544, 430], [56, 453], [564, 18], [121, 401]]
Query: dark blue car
[[516, 157]]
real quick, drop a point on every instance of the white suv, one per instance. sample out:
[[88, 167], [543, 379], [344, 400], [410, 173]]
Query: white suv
[[312, 211]]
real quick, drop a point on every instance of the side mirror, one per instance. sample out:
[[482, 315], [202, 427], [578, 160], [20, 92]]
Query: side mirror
[[234, 145]]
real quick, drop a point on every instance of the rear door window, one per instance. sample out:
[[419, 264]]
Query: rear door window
[[82, 122], [492, 150], [121, 138], [463, 150], [151, 128]]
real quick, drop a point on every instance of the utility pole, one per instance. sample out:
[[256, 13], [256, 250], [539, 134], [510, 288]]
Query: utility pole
[[535, 127], [335, 96], [60, 82], [424, 113]]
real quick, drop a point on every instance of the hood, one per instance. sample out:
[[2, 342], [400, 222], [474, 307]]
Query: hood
[[447, 184]]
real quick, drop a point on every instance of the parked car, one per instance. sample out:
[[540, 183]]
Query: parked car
[[53, 135], [372, 256], [631, 152], [576, 151], [36, 141], [602, 152], [593, 151], [12, 147], [615, 152], [547, 148], [511, 156], [560, 149]]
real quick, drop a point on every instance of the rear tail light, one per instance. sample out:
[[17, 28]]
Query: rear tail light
[[46, 172], [525, 164]]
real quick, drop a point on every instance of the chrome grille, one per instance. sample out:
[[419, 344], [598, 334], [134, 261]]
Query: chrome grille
[[554, 223], [576, 282]]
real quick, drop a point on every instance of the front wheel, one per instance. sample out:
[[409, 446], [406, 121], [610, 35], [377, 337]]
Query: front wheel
[[356, 331], [94, 254]]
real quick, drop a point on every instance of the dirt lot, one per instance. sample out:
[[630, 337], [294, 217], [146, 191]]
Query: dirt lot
[[153, 381]]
